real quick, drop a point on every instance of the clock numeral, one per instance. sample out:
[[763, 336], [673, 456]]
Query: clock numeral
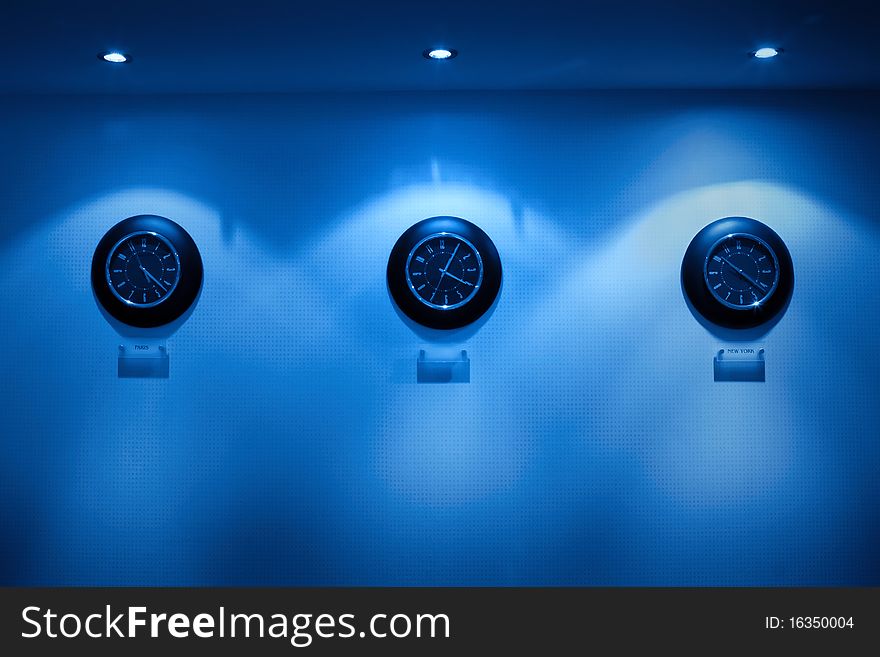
[[416, 273], [144, 243], [442, 245], [121, 256], [430, 250], [171, 269], [472, 269], [717, 286], [738, 245], [716, 258], [420, 259], [467, 256], [762, 258], [421, 286]]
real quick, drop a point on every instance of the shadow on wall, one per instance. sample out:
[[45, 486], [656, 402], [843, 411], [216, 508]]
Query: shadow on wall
[[590, 446]]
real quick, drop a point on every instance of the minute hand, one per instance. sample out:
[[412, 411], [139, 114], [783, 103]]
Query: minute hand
[[743, 274], [443, 271], [454, 277], [155, 280]]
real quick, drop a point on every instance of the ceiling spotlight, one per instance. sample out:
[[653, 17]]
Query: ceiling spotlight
[[439, 53], [114, 57], [766, 52]]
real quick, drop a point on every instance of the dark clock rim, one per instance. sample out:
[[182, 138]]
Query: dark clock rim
[[698, 293], [189, 280], [412, 287], [453, 318], [115, 247], [752, 237]]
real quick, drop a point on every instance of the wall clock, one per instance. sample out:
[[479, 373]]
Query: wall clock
[[737, 273], [146, 271], [444, 273]]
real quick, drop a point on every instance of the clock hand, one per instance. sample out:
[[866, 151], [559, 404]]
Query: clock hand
[[155, 280], [743, 274], [140, 264], [456, 278], [451, 257], [148, 274], [443, 271]]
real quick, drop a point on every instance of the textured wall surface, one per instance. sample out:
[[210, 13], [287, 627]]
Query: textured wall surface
[[291, 444]]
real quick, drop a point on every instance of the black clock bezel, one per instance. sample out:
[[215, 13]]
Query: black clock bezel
[[699, 295], [451, 318], [188, 285]]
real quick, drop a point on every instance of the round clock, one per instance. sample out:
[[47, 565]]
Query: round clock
[[146, 271], [444, 273], [737, 273]]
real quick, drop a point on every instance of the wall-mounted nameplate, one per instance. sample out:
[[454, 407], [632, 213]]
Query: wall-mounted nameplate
[[740, 364], [143, 360], [447, 370]]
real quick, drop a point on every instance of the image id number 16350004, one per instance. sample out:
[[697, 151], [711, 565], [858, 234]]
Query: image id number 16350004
[[809, 622]]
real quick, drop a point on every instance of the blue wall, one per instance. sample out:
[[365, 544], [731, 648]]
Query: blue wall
[[291, 444]]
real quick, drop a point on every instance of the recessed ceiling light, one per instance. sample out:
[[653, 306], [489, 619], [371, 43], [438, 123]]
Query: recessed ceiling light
[[766, 52], [114, 57], [439, 53]]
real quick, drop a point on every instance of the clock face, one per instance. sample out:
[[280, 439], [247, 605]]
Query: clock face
[[444, 271], [143, 269], [741, 271]]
